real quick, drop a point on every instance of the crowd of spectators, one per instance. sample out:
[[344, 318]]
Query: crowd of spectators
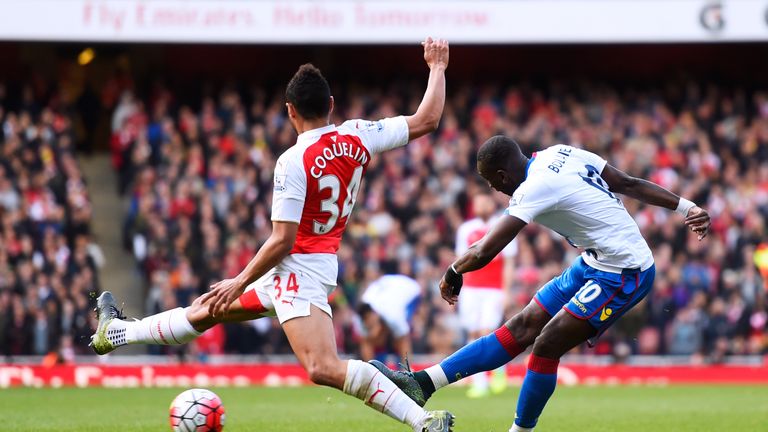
[[199, 176], [48, 263]]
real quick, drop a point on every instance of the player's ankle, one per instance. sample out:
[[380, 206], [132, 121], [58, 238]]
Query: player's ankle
[[425, 382]]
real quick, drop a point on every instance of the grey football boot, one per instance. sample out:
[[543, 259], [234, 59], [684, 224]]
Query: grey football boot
[[405, 380], [438, 421], [110, 333]]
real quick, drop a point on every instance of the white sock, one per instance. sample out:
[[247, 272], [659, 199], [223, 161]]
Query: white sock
[[516, 428], [366, 383], [436, 373], [166, 328]]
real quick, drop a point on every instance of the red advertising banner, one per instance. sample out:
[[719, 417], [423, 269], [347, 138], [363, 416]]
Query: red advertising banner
[[243, 375]]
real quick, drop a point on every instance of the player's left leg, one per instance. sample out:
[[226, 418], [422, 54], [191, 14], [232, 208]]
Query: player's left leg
[[313, 341], [559, 336], [495, 349], [485, 354], [175, 326]]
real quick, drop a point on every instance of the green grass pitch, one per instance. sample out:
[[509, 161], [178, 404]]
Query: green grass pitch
[[588, 409]]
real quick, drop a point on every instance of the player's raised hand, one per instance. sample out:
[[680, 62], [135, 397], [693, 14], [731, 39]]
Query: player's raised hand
[[221, 296], [436, 52], [698, 221]]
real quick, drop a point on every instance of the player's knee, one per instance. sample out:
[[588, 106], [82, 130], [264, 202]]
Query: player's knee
[[525, 328], [198, 314], [548, 344], [322, 371], [518, 326], [319, 375]]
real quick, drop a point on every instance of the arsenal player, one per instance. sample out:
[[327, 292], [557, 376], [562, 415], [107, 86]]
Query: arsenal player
[[481, 308], [315, 188]]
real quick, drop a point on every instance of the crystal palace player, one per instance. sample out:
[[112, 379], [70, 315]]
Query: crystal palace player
[[315, 188], [570, 191]]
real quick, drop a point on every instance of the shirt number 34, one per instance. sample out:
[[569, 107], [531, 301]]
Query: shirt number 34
[[291, 288]]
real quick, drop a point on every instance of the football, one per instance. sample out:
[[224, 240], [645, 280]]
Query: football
[[197, 410]]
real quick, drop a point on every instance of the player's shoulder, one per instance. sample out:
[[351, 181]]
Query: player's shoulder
[[548, 165], [291, 159], [538, 185], [568, 151], [286, 158], [293, 151], [553, 151], [538, 178]]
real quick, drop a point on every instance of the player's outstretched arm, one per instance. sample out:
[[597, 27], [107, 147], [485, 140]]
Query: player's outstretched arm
[[648, 192], [479, 255], [277, 247], [427, 116]]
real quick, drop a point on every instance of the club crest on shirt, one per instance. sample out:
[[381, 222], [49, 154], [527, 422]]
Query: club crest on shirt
[[516, 199], [280, 183]]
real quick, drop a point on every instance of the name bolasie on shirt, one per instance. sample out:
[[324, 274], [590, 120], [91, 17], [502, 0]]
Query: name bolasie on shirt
[[337, 149], [562, 157]]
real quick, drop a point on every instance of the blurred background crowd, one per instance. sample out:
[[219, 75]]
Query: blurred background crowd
[[48, 262], [199, 176], [195, 171]]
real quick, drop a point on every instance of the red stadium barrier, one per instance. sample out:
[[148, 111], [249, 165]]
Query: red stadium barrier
[[243, 375]]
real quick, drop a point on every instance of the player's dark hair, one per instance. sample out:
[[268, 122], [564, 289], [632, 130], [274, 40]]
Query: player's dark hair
[[309, 93], [364, 309], [498, 151]]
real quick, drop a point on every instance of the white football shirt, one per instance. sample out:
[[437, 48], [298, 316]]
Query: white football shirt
[[316, 185], [389, 296], [564, 192]]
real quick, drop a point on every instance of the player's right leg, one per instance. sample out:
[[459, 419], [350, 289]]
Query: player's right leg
[[495, 349], [312, 339], [172, 327]]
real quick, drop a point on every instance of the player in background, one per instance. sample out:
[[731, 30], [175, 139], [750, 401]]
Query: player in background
[[315, 187], [481, 309], [386, 310], [572, 192]]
